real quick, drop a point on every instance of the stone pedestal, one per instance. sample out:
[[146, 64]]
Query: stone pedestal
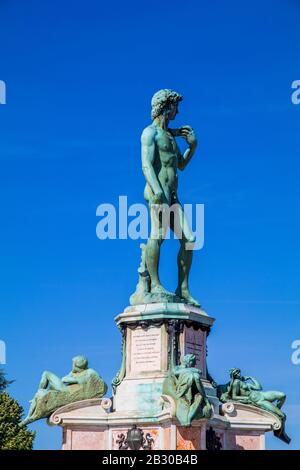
[[154, 338]]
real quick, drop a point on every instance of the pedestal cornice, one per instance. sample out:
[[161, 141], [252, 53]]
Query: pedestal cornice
[[160, 312]]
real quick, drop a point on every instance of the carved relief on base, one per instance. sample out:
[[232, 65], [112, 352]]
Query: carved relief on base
[[148, 438]]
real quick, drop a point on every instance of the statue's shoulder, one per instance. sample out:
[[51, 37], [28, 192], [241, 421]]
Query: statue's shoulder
[[178, 369], [92, 372], [148, 134]]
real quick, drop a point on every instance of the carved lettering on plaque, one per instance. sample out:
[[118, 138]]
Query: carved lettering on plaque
[[195, 343], [146, 350]]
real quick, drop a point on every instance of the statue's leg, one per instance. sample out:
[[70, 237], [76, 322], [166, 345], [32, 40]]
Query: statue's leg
[[196, 408], [268, 406], [281, 400], [30, 416], [51, 381], [157, 236], [180, 226], [32, 407], [272, 396]]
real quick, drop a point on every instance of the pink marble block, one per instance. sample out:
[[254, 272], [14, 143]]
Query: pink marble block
[[188, 438], [248, 440], [167, 438], [80, 438]]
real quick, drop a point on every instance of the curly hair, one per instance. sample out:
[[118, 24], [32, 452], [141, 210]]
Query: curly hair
[[189, 360], [161, 101], [81, 362], [234, 372]]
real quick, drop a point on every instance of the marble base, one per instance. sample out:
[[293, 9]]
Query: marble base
[[91, 425], [154, 338]]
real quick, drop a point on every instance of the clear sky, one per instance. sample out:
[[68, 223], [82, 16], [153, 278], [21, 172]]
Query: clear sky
[[80, 76]]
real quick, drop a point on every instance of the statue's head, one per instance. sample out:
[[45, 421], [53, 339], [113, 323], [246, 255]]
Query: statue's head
[[189, 360], [165, 102], [79, 363], [235, 373]]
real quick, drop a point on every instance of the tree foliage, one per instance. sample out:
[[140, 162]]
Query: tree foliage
[[4, 383], [12, 436]]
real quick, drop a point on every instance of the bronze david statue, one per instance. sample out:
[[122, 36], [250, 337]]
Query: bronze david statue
[[161, 160]]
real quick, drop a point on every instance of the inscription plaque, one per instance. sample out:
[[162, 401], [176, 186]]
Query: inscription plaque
[[146, 350], [194, 343]]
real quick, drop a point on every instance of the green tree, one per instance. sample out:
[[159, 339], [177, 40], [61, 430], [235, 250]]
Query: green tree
[[12, 436], [4, 383]]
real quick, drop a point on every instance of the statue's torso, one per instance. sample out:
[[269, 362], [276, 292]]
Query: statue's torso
[[243, 388], [166, 162]]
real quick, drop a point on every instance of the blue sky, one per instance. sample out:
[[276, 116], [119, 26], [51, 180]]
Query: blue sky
[[80, 76]]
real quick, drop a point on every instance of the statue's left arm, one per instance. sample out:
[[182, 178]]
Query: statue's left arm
[[69, 379], [188, 134], [255, 385]]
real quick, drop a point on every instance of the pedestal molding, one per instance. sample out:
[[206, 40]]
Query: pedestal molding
[[160, 311], [238, 416]]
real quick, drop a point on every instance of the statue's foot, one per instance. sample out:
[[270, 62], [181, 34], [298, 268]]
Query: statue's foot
[[160, 290], [187, 297], [281, 434], [140, 295], [25, 422]]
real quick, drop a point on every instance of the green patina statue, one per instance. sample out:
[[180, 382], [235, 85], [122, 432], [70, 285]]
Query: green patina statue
[[80, 384], [249, 391], [184, 385], [161, 158]]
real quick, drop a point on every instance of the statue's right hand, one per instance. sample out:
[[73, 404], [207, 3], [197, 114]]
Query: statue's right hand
[[157, 198]]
